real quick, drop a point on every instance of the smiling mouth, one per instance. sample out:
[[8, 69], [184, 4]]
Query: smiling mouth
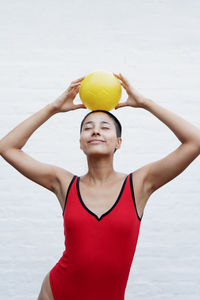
[[96, 142]]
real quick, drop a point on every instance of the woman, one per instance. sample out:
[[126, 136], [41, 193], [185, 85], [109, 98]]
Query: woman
[[102, 210]]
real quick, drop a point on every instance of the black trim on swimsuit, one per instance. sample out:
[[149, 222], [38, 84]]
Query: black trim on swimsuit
[[107, 212], [68, 193], [133, 196]]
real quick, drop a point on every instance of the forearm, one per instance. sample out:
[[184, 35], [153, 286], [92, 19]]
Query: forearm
[[18, 137], [185, 131]]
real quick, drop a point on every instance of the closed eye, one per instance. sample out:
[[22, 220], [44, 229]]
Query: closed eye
[[91, 128]]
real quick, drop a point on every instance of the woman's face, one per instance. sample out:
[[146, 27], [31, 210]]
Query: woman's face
[[98, 135]]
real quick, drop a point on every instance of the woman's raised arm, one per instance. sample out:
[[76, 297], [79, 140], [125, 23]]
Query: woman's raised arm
[[158, 173], [11, 144]]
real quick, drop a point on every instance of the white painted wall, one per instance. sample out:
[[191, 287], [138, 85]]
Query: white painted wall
[[44, 46]]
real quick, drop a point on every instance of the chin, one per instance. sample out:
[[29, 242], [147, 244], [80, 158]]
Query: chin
[[98, 153]]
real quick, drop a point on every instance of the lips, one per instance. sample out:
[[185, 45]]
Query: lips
[[95, 141]]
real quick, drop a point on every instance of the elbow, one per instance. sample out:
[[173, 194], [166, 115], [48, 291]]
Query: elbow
[[1, 150], [199, 144], [197, 148], [2, 147]]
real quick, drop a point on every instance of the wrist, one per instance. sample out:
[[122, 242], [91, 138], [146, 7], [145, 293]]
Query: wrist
[[53, 109], [146, 103]]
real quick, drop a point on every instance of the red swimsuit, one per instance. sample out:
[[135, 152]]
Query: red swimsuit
[[98, 252]]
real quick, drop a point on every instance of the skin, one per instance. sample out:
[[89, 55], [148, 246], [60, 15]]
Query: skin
[[45, 291], [99, 155], [101, 176]]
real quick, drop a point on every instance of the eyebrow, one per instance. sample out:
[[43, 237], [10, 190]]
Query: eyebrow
[[93, 122]]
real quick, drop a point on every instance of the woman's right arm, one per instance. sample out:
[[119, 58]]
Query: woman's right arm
[[10, 146]]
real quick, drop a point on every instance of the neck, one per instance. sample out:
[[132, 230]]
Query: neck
[[100, 170]]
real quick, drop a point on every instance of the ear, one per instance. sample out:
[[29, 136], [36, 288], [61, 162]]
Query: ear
[[119, 141]]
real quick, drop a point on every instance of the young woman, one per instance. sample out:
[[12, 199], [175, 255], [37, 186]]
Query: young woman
[[102, 209]]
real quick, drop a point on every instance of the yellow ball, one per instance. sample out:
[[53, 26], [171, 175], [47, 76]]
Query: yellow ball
[[100, 90]]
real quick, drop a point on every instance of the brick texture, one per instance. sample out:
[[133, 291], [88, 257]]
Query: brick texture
[[44, 46]]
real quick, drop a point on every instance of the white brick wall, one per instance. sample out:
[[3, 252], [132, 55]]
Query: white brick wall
[[44, 46]]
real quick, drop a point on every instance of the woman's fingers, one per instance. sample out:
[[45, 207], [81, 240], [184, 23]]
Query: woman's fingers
[[120, 77], [119, 105], [77, 80], [122, 104], [124, 79], [116, 76], [74, 87], [123, 84], [79, 106], [74, 84]]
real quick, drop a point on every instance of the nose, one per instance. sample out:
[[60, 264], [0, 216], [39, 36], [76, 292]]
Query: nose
[[95, 131]]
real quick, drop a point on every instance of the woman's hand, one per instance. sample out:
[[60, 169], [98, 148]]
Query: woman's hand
[[135, 99], [65, 101]]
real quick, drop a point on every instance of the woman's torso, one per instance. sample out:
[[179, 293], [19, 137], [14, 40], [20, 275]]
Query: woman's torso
[[101, 227], [104, 196]]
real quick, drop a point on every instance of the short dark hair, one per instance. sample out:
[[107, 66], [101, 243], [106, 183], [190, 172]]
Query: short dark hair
[[116, 121]]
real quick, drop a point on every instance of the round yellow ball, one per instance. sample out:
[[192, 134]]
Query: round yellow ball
[[100, 90]]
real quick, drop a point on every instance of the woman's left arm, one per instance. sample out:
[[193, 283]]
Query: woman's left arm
[[185, 131], [164, 170]]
